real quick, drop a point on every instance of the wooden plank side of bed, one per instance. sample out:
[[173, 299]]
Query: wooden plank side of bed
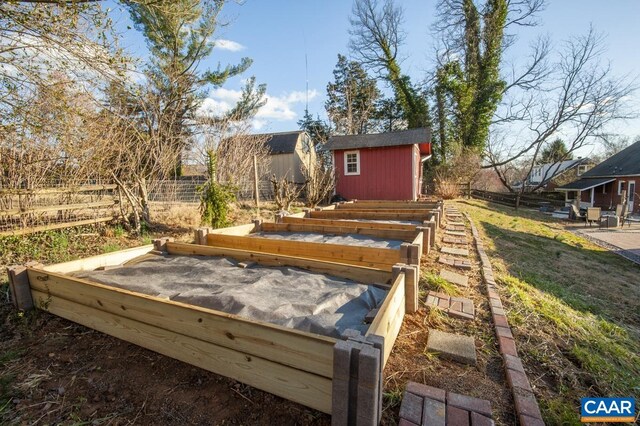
[[388, 234], [378, 258]]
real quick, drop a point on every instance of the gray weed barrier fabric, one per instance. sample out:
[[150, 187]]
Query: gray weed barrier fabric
[[397, 222], [286, 296], [343, 239]]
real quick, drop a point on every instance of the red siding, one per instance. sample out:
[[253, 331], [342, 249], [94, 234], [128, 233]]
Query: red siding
[[609, 200], [385, 174]]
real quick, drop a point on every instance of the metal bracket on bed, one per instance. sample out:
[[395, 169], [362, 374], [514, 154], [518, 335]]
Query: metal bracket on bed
[[357, 379]]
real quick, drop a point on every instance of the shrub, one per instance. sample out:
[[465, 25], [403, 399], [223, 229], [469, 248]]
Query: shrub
[[215, 197]]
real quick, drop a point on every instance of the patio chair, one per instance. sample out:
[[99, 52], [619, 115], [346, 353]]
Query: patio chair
[[593, 215], [576, 213], [621, 212]]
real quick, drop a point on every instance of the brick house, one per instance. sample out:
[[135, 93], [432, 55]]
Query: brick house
[[383, 166], [604, 184]]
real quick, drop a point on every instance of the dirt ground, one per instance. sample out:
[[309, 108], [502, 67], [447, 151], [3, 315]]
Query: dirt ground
[[57, 372]]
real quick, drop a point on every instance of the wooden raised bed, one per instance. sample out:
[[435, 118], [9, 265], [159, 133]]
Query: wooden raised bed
[[239, 237], [304, 367], [382, 204], [420, 215], [427, 229]]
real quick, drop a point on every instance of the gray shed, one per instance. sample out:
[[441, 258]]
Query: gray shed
[[288, 152]]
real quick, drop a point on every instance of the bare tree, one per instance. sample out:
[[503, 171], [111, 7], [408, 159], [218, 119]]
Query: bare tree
[[319, 182], [285, 192], [578, 100], [461, 169], [376, 36]]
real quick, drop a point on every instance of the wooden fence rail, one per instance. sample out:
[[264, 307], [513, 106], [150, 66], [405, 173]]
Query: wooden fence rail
[[511, 199], [24, 211]]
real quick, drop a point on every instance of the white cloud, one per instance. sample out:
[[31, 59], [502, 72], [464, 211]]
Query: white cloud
[[258, 124], [277, 108], [232, 46], [280, 108]]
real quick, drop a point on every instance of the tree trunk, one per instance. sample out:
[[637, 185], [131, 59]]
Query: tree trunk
[[144, 199]]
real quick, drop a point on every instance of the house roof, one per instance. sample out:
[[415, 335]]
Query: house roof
[[405, 137], [550, 171], [584, 184], [281, 143], [624, 163]]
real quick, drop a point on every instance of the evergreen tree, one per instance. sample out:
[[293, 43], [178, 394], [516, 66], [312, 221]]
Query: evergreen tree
[[555, 152], [389, 115], [179, 35], [318, 129], [351, 103]]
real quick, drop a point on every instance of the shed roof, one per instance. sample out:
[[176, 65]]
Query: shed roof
[[281, 143], [624, 163], [406, 137], [584, 184]]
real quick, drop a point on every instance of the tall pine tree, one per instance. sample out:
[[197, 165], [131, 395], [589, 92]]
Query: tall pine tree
[[351, 98], [180, 35]]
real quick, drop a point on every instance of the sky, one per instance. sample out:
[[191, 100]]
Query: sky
[[294, 45]]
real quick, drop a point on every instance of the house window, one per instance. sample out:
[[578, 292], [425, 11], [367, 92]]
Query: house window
[[620, 187], [582, 169], [352, 163], [604, 188]]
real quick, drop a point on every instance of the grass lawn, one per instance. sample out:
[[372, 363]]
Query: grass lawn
[[574, 308]]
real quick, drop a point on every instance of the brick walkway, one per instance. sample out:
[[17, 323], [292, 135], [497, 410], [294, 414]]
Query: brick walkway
[[454, 240], [426, 406], [526, 405], [458, 307], [455, 262]]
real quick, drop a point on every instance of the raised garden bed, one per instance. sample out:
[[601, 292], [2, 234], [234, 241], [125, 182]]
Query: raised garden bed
[[294, 364], [345, 245]]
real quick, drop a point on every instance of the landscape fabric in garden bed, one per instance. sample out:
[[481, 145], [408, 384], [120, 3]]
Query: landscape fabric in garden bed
[[286, 296], [342, 239]]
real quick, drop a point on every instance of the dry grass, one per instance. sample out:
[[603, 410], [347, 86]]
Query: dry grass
[[573, 306], [176, 215]]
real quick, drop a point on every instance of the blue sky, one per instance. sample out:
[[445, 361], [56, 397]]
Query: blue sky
[[277, 34]]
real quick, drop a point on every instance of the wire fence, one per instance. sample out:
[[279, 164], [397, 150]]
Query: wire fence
[[188, 191], [24, 211]]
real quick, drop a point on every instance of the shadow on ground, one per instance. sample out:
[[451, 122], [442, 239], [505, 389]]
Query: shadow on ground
[[588, 280]]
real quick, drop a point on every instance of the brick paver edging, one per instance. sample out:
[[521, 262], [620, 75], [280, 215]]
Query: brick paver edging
[[527, 409]]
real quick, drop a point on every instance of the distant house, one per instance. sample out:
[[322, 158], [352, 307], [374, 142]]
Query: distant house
[[383, 166], [288, 151], [549, 176], [603, 185]]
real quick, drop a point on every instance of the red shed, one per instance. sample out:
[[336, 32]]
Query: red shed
[[382, 166]]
